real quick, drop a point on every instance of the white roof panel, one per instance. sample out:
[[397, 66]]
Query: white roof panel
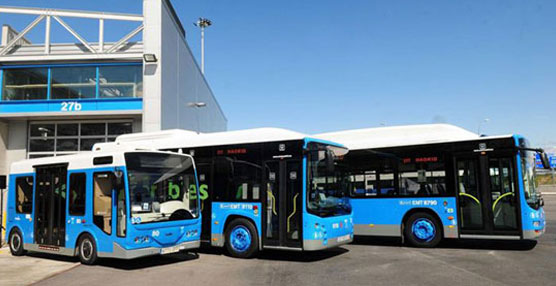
[[407, 135], [187, 139]]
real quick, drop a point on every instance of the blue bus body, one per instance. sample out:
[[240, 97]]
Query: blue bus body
[[137, 240], [317, 232], [504, 203]]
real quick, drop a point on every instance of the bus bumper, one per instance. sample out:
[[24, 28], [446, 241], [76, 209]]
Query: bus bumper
[[121, 253], [319, 244], [533, 234]]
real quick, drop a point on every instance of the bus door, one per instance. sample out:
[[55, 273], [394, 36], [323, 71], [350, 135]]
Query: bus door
[[282, 203], [487, 194], [50, 205]]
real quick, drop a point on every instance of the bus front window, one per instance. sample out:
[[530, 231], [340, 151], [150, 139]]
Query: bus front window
[[162, 187], [529, 182], [327, 187]]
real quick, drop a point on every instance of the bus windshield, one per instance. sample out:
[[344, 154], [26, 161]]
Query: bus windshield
[[162, 187], [529, 178], [327, 187]]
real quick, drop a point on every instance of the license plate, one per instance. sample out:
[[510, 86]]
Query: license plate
[[343, 238], [172, 249]]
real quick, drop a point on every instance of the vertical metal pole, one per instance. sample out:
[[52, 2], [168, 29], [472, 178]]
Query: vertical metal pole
[[202, 49], [101, 35], [47, 36]]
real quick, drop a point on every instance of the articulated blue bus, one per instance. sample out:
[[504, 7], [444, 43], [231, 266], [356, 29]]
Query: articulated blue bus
[[262, 188], [104, 204], [429, 182]]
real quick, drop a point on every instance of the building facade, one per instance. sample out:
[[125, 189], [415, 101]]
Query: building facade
[[61, 98]]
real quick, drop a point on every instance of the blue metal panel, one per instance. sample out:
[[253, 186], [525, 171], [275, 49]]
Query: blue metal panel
[[390, 211], [222, 210], [70, 105], [48, 83], [325, 228], [97, 83]]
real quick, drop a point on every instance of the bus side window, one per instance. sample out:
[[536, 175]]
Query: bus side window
[[102, 204], [24, 195], [422, 176], [77, 194]]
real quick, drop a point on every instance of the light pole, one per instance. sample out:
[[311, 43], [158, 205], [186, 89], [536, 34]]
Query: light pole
[[197, 105], [203, 23], [484, 121]]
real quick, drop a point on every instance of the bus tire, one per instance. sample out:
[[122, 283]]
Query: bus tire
[[87, 250], [242, 240], [422, 230], [16, 243]]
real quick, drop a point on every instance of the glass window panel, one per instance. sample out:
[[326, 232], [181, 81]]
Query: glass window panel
[[87, 144], [121, 81], [77, 194], [92, 129], [41, 145], [119, 128], [33, 156], [67, 130], [73, 82], [42, 130], [25, 84], [66, 145]]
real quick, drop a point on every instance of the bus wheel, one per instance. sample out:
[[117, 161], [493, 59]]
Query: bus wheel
[[87, 250], [422, 230], [16, 243], [242, 240]]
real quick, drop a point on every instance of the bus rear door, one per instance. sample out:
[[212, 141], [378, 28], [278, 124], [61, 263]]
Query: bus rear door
[[487, 194]]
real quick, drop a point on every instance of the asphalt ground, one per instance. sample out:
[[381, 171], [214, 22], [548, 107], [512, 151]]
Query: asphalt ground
[[367, 261]]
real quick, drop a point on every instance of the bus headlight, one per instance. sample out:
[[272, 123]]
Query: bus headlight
[[536, 223]]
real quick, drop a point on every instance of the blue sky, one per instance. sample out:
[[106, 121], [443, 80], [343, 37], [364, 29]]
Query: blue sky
[[316, 66]]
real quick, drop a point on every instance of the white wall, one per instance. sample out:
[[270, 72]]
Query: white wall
[[176, 78]]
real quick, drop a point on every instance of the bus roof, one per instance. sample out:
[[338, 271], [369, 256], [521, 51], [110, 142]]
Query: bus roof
[[75, 162], [178, 138], [406, 135]]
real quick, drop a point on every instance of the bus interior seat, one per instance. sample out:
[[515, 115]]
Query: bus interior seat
[[103, 201]]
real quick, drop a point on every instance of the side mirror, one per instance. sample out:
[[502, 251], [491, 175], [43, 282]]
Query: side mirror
[[2, 182], [118, 179], [330, 162], [545, 160]]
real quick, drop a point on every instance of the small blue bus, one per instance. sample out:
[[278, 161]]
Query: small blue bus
[[263, 188], [428, 182], [104, 204]]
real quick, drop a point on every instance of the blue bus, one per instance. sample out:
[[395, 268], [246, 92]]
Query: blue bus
[[104, 204], [263, 188], [429, 182]]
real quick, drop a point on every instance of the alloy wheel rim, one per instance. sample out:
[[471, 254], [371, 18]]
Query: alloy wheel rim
[[16, 241], [86, 249], [423, 229], [240, 238]]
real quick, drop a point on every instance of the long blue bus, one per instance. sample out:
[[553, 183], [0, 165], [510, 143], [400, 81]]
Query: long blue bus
[[428, 182], [104, 204], [263, 188]]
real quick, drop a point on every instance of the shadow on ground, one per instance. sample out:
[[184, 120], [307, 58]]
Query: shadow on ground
[[284, 255], [148, 261], [517, 245]]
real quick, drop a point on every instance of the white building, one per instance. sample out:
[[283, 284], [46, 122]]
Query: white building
[[61, 98]]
